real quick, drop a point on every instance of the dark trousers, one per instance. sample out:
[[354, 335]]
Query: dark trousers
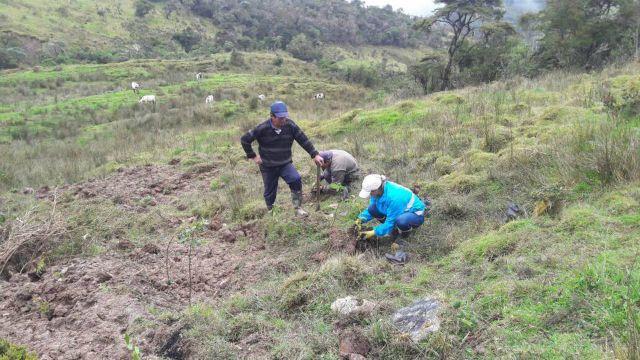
[[404, 222], [270, 177]]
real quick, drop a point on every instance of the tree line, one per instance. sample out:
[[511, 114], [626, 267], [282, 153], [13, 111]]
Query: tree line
[[568, 34]]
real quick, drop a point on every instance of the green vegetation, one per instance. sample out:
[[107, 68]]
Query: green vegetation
[[10, 351], [562, 281]]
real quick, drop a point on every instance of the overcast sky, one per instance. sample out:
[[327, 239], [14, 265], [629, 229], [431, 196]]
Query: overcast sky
[[411, 7]]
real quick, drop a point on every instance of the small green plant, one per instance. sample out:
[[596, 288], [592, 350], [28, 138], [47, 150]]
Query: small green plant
[[134, 349], [9, 351], [188, 236], [40, 267], [45, 308]]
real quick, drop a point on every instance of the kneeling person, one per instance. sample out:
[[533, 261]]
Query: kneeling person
[[340, 167], [397, 208]]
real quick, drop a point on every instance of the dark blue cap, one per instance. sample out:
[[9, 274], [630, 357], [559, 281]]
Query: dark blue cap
[[279, 109]]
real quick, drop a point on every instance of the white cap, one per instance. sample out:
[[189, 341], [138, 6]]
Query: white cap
[[370, 183]]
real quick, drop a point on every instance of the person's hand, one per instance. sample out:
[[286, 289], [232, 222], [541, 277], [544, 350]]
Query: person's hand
[[318, 160], [358, 224], [367, 235], [257, 160]]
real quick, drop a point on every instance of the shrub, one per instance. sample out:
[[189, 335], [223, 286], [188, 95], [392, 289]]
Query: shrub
[[187, 38], [302, 48], [10, 351], [143, 7]]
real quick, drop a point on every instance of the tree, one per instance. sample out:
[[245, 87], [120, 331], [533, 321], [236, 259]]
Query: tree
[[462, 17], [187, 38], [143, 7], [586, 33], [302, 48], [488, 58]]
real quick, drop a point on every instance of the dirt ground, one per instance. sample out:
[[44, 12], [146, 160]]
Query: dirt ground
[[81, 308]]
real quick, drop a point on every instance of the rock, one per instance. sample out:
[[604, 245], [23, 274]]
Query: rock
[[353, 306], [103, 277], [27, 191], [60, 311], [215, 224], [513, 212], [352, 342], [24, 295], [227, 235], [151, 249], [418, 320], [181, 207], [356, 357], [125, 245]]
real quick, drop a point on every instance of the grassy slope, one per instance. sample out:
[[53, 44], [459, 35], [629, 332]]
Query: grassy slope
[[78, 23], [556, 285], [562, 284], [88, 113]]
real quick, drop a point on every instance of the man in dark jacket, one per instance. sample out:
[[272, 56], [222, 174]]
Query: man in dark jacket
[[275, 138]]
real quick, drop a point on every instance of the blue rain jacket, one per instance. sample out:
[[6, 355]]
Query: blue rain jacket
[[395, 201]]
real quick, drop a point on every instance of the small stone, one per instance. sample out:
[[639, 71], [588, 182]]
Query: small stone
[[27, 191], [103, 277], [125, 245], [227, 235], [353, 306], [353, 342], [356, 357], [151, 249], [24, 295], [60, 311]]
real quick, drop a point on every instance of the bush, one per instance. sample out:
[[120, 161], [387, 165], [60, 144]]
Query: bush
[[9, 351], [236, 58], [187, 38], [302, 48], [143, 7]]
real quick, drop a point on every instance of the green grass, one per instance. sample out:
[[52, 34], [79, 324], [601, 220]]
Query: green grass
[[556, 285]]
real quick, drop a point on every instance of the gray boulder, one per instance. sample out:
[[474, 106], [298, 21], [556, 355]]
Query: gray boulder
[[418, 320]]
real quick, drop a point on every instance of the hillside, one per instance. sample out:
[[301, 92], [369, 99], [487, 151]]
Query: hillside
[[52, 32], [108, 204]]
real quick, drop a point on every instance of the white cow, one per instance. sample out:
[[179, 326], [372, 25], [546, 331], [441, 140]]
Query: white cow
[[148, 99], [135, 87], [199, 76], [262, 97], [318, 96], [209, 99]]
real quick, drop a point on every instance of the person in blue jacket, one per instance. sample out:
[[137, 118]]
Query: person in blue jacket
[[397, 208]]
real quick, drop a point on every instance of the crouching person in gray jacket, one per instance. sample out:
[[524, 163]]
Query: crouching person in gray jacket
[[340, 167]]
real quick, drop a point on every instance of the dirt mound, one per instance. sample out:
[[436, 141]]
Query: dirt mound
[[138, 187], [83, 308]]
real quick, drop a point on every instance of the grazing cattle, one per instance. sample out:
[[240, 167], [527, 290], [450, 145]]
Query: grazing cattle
[[135, 87], [148, 99], [209, 99], [262, 97], [199, 76], [318, 96]]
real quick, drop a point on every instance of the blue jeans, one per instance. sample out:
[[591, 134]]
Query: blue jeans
[[404, 222], [270, 177]]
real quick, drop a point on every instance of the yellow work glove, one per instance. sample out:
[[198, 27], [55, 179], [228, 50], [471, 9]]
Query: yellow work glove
[[358, 224], [367, 235]]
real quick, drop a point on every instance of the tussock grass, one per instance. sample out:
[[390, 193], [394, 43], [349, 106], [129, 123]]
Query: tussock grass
[[561, 284]]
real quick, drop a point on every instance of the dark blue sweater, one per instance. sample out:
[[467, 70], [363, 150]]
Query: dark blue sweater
[[274, 148]]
